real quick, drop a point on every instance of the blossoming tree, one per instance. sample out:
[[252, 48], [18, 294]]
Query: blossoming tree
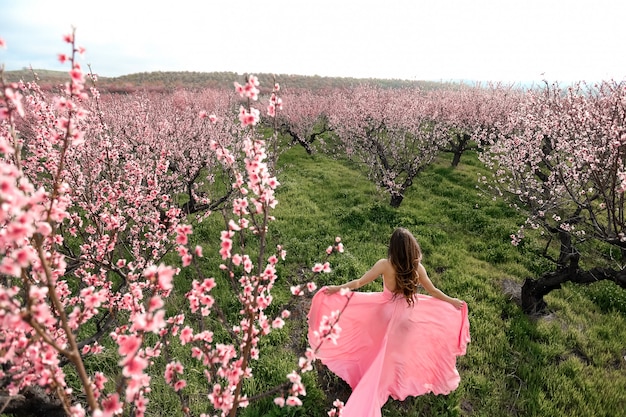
[[390, 132], [305, 118], [561, 159], [96, 192], [469, 117]]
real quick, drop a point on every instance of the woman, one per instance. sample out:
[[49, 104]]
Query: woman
[[393, 343]]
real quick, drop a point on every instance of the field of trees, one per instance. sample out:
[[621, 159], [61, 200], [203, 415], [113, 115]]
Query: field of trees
[[160, 240]]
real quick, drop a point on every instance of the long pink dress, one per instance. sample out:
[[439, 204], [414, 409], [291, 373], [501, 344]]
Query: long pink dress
[[387, 348]]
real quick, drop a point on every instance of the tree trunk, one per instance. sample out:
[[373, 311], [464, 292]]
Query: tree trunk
[[396, 200], [458, 148], [533, 290], [456, 159], [307, 146]]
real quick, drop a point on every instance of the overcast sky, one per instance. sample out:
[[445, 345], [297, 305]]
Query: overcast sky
[[486, 40]]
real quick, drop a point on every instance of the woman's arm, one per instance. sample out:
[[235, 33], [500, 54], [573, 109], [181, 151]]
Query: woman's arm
[[374, 272], [434, 291]]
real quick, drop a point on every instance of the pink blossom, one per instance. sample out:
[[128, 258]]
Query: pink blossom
[[164, 275], [180, 384], [208, 284], [15, 99], [310, 354], [305, 365], [77, 411], [112, 405], [271, 110], [293, 401], [186, 335], [77, 75], [250, 89], [272, 182], [182, 231], [182, 250], [226, 246], [3, 43], [133, 366], [128, 345], [296, 290], [247, 264], [155, 303], [171, 369], [337, 410], [181, 239], [196, 353], [233, 226], [248, 118], [9, 267], [23, 256], [298, 389], [239, 88]]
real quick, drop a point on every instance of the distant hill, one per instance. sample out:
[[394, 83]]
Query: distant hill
[[45, 77], [167, 81]]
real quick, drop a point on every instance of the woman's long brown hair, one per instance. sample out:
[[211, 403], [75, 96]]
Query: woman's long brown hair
[[405, 254]]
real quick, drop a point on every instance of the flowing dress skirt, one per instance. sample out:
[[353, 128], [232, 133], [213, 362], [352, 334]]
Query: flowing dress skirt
[[388, 348]]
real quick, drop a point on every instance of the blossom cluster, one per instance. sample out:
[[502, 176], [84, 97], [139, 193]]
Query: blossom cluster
[[33, 332], [327, 331], [248, 116], [87, 215], [559, 156], [275, 102]]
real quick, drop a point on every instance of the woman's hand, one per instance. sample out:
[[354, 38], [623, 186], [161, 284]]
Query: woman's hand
[[331, 289], [457, 303]]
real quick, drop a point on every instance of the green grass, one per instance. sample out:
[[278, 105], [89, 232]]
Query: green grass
[[569, 363]]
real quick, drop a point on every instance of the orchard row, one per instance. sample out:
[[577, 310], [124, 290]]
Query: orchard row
[[98, 189]]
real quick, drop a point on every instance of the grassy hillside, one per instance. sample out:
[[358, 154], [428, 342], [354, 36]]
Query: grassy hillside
[[569, 363]]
